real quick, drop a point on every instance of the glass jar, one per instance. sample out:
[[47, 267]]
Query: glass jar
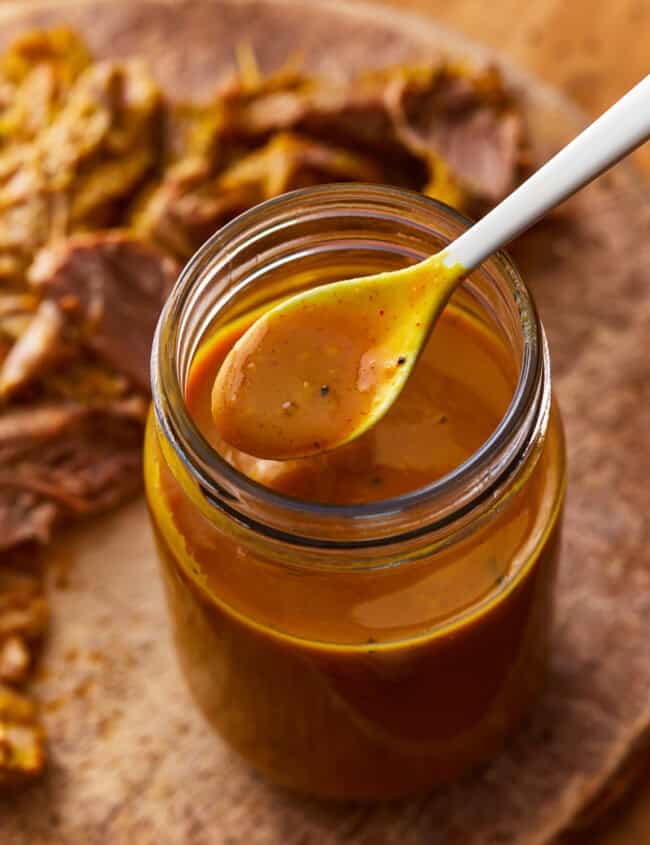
[[453, 581]]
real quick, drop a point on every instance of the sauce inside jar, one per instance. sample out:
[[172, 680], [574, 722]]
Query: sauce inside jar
[[344, 679]]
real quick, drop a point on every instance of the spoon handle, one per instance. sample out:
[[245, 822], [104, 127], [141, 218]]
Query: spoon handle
[[616, 133]]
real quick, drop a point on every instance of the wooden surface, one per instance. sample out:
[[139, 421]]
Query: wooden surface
[[592, 52], [131, 760]]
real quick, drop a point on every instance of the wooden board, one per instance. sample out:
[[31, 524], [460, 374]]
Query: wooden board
[[132, 761]]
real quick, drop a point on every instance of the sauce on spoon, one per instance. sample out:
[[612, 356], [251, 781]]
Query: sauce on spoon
[[322, 367]]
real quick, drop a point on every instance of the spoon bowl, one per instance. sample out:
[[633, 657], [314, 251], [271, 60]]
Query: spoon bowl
[[326, 364]]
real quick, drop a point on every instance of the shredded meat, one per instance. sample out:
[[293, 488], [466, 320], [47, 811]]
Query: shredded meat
[[453, 134], [16, 312], [401, 115], [185, 209], [102, 294], [23, 621], [22, 742], [60, 461], [36, 74], [15, 660], [37, 348], [468, 124], [76, 171], [109, 288], [189, 205], [290, 161]]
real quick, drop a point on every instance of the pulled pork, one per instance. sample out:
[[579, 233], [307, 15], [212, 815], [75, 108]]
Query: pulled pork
[[76, 171], [36, 75], [22, 740], [107, 290], [66, 459], [190, 205], [453, 134], [23, 622], [38, 347]]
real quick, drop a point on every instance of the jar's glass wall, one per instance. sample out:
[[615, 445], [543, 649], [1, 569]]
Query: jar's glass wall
[[311, 237]]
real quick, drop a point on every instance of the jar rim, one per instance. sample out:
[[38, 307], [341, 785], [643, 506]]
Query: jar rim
[[482, 471]]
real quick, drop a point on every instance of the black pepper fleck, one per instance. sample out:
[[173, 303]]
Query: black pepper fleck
[[324, 389], [289, 407], [401, 360]]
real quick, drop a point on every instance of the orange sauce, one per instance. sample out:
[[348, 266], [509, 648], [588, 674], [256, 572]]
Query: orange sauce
[[305, 377]]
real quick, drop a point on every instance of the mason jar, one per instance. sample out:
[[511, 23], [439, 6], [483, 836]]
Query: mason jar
[[371, 650]]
